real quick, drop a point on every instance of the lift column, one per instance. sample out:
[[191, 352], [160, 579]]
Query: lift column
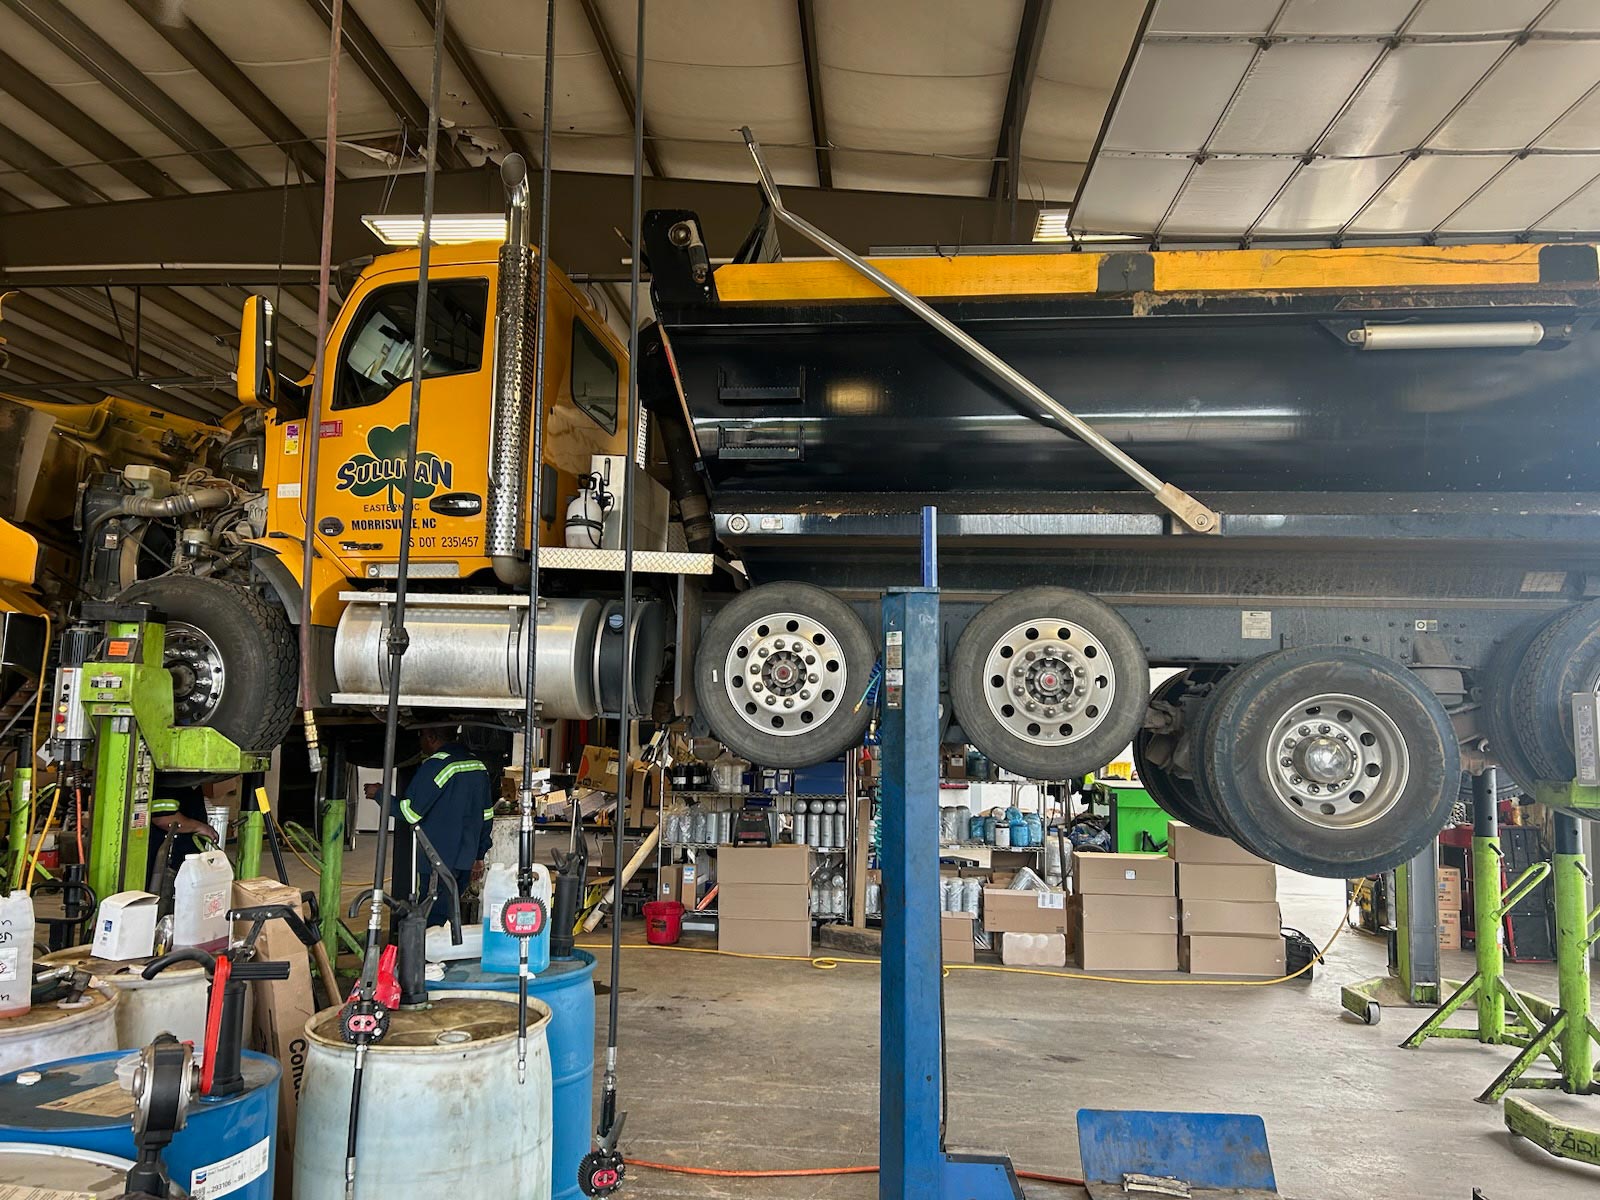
[[911, 1153]]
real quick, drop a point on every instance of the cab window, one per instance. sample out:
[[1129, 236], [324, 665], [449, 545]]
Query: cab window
[[381, 340], [594, 377]]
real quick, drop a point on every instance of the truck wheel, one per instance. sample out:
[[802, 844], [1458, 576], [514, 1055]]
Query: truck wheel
[[1499, 699], [1175, 793], [231, 655], [1049, 682], [1562, 660], [1331, 761], [779, 674]]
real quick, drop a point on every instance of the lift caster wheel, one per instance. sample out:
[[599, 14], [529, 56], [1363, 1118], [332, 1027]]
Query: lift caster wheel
[[600, 1172], [1374, 1013]]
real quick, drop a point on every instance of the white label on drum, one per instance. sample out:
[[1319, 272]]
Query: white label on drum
[[230, 1174], [1255, 625]]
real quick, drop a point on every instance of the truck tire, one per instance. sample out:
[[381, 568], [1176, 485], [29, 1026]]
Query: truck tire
[[1175, 793], [1049, 682], [1563, 659], [1499, 699], [1331, 761], [812, 659], [231, 654]]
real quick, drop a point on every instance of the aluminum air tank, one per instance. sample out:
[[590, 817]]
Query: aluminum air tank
[[48, 1032], [441, 1112], [473, 648]]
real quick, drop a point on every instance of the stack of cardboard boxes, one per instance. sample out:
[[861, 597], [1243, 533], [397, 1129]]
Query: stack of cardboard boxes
[[1124, 911], [1228, 899], [1449, 908], [764, 899], [1027, 925], [955, 937]]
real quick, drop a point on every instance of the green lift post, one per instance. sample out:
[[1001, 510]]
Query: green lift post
[[127, 696], [1487, 991]]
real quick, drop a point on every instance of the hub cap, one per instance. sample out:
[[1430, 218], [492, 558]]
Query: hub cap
[[197, 672], [1049, 682], [1338, 762], [785, 674]]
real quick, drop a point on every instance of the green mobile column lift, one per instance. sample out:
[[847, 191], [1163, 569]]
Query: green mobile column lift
[[1487, 990], [125, 694], [1413, 977]]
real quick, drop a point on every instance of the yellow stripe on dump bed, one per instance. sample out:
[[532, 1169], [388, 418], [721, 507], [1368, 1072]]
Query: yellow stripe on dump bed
[[978, 275]]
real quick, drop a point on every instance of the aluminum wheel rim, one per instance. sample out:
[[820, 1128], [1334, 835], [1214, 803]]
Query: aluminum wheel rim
[[1049, 682], [198, 675], [1338, 761], [785, 674]]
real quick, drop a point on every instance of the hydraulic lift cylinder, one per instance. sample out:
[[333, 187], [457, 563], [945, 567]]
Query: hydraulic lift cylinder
[[1487, 927]]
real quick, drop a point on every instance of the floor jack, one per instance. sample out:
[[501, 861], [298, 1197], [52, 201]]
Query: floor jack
[[117, 704], [1487, 991], [1124, 1153]]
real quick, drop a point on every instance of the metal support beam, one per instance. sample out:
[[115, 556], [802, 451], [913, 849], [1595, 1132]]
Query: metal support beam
[[222, 73], [619, 77], [46, 171], [43, 350], [73, 37], [460, 55], [819, 119], [173, 241], [1024, 68], [363, 46], [34, 93]]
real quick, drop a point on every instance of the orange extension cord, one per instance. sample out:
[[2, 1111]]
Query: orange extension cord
[[804, 1172]]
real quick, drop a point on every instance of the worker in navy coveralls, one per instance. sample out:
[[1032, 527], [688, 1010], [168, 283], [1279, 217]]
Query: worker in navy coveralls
[[448, 799]]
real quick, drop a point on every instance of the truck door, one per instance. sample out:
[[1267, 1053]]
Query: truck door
[[366, 414]]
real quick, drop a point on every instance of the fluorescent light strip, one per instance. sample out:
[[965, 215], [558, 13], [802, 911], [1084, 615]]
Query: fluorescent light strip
[[449, 229]]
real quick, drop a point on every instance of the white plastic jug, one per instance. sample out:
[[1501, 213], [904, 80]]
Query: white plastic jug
[[200, 901], [16, 953], [501, 953]]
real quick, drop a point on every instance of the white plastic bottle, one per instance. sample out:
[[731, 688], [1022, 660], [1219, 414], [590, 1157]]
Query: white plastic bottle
[[200, 901], [16, 953], [501, 954]]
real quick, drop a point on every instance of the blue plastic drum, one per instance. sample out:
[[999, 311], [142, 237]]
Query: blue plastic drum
[[567, 987], [227, 1148]]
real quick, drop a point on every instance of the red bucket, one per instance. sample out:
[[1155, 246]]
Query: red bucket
[[663, 922]]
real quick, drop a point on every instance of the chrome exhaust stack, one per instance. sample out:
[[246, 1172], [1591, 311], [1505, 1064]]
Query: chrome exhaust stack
[[514, 331]]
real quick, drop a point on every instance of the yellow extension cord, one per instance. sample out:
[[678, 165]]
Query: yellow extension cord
[[829, 964]]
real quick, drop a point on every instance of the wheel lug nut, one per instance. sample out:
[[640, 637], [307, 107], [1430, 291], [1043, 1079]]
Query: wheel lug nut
[[1031, 706], [763, 652], [772, 699], [1049, 711], [788, 703], [805, 695], [1080, 691], [754, 686], [1305, 731], [811, 660], [1295, 779], [1290, 743], [1286, 762], [1030, 655], [812, 678], [1324, 728], [1314, 790], [1079, 672], [1019, 691]]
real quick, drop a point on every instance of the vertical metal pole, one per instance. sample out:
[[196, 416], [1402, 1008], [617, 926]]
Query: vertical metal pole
[[1572, 959], [1417, 926], [330, 891], [909, 1078], [1487, 926], [250, 831]]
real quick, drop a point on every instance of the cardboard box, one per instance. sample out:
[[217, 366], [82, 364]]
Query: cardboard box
[[738, 936], [1005, 911], [1449, 890], [677, 881], [1186, 844], [125, 926], [764, 864], [1237, 918], [1450, 931], [1128, 914], [955, 937], [1214, 881], [764, 901], [598, 767], [1122, 874], [1115, 951], [1033, 949], [280, 1008], [1258, 957]]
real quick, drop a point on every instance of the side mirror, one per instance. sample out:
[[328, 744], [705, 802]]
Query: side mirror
[[257, 374]]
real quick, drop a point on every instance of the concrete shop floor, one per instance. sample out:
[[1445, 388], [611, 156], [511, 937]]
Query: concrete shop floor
[[739, 1064]]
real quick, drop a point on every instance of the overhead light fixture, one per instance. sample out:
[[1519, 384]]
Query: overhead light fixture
[[448, 229], [1052, 225], [1455, 335]]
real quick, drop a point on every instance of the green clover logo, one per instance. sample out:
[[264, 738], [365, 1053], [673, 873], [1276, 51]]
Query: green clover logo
[[384, 469]]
